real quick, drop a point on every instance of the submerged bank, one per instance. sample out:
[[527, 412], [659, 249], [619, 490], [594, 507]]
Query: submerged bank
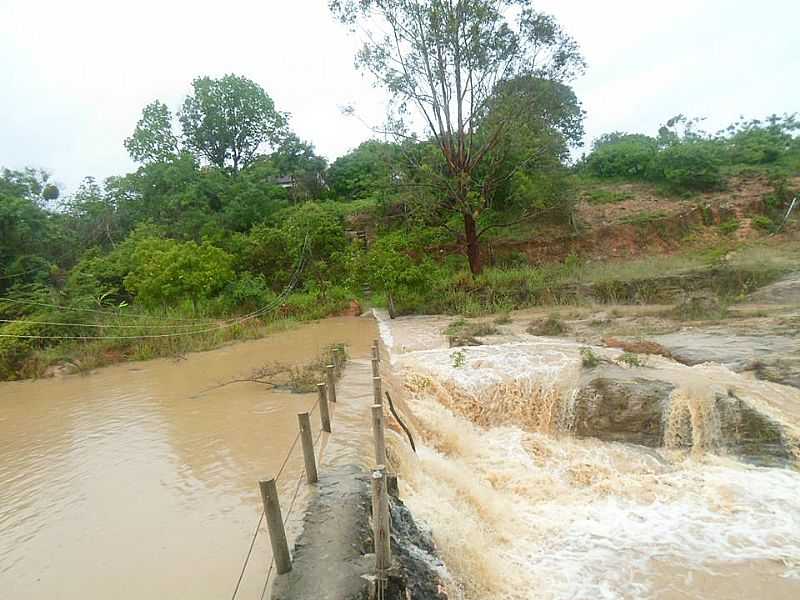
[[618, 481]]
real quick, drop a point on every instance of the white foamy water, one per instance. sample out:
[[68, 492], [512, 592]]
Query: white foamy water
[[530, 512]]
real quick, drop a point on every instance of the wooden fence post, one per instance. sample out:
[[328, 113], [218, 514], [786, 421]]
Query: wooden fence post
[[381, 522], [277, 534], [324, 413], [376, 352], [307, 440], [331, 369], [376, 390], [376, 368], [378, 434]]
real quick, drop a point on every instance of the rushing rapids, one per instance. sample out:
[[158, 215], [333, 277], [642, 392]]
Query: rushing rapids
[[543, 479]]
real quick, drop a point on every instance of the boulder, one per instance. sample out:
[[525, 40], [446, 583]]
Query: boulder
[[623, 409], [751, 435]]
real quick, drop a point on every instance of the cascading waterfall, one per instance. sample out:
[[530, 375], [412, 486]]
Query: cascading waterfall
[[692, 421], [520, 508]]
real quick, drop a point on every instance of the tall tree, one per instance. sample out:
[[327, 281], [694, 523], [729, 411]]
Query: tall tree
[[226, 120], [153, 139], [446, 59]]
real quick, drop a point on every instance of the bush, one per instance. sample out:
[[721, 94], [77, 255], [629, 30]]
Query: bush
[[167, 272], [689, 166], [626, 155], [248, 292], [588, 358], [630, 359], [763, 223], [728, 227], [550, 327]]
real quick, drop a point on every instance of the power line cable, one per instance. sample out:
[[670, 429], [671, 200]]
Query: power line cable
[[226, 324]]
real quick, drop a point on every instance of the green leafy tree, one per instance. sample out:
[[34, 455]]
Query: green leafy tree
[[298, 160], [167, 271], [623, 155], [370, 169], [227, 120], [29, 183], [446, 59], [153, 139]]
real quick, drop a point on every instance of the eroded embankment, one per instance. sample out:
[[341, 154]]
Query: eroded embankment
[[542, 478]]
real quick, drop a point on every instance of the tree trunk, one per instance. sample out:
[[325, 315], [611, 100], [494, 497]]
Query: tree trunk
[[473, 245]]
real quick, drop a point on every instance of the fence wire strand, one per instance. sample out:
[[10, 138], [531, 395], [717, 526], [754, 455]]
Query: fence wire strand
[[288, 512]]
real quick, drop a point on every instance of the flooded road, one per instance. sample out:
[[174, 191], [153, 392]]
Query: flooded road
[[127, 483], [522, 507]]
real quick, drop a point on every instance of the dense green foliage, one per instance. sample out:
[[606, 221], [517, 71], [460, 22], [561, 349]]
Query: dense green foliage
[[486, 81], [694, 161], [204, 241]]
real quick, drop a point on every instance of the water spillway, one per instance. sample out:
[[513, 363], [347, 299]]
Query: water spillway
[[544, 479]]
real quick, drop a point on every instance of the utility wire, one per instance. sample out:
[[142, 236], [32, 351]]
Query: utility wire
[[15, 275], [94, 310], [220, 326]]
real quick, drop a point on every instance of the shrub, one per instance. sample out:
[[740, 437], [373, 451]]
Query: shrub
[[729, 226], [689, 166], [764, 223], [623, 155], [168, 272], [608, 196], [630, 359], [588, 358], [248, 292], [552, 326]]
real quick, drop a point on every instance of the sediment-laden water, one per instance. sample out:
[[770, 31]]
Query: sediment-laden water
[[130, 483], [522, 506]]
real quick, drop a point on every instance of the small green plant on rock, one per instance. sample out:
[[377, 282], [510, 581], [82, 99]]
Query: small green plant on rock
[[630, 359], [589, 359], [458, 359], [552, 326]]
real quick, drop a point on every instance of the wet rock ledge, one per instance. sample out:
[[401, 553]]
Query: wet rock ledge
[[333, 558]]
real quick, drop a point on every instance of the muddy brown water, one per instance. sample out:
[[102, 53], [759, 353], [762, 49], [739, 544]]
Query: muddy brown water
[[128, 484], [521, 509]]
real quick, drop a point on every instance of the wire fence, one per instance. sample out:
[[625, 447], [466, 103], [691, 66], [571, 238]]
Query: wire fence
[[292, 503]]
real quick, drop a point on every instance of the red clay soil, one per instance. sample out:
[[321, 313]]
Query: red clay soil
[[644, 224]]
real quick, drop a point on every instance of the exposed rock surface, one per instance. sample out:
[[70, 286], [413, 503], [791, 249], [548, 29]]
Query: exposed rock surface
[[785, 291], [622, 409], [333, 557], [772, 357], [617, 406], [747, 433]]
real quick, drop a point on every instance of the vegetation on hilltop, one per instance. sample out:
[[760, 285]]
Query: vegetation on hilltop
[[232, 221]]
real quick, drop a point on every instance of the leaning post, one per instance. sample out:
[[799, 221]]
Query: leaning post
[[277, 534], [307, 440], [324, 412], [331, 369]]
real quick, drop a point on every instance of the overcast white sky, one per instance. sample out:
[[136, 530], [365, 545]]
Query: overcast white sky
[[74, 75]]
